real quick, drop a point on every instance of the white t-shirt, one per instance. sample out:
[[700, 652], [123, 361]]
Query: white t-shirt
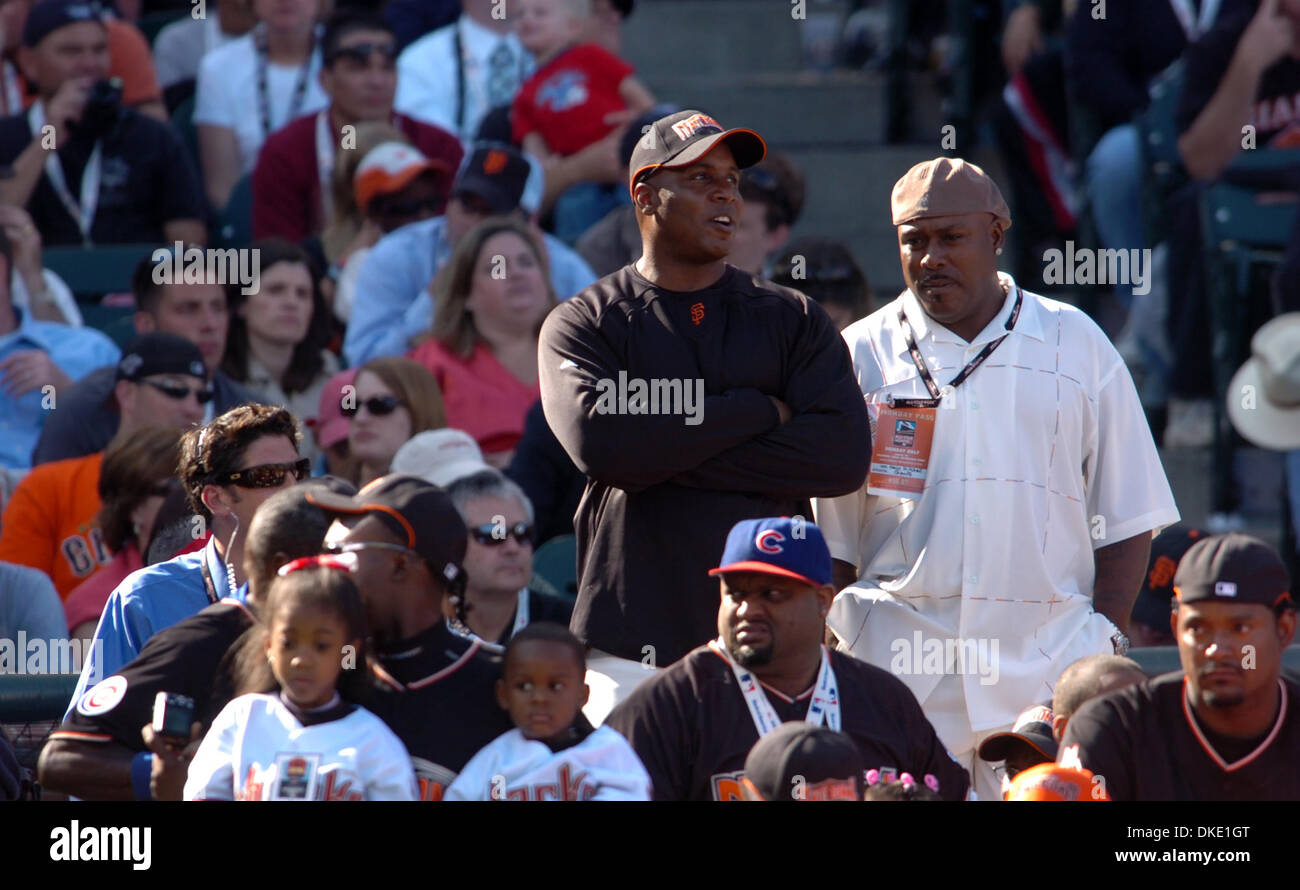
[[257, 749], [602, 766], [227, 95]]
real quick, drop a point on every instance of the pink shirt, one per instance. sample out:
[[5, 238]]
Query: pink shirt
[[86, 602], [482, 397]]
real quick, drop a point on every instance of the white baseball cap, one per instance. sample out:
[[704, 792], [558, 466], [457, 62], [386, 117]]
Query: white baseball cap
[[1264, 396], [439, 456]]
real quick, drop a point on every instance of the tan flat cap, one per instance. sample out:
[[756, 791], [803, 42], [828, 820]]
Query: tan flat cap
[[946, 187]]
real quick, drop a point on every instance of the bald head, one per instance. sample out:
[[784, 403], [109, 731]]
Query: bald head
[[1088, 678]]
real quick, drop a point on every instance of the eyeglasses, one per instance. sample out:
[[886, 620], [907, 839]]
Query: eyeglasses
[[379, 406], [490, 534], [177, 391], [361, 52], [356, 547], [267, 475]]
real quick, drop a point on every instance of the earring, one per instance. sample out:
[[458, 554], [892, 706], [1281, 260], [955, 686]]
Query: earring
[[998, 251]]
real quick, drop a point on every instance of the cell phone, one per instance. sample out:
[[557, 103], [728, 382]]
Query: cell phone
[[173, 714]]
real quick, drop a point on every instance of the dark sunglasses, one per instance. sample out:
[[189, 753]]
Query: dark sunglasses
[[176, 391], [412, 207], [361, 52], [379, 406], [267, 475], [486, 534]]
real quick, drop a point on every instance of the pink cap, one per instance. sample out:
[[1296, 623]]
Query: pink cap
[[331, 426]]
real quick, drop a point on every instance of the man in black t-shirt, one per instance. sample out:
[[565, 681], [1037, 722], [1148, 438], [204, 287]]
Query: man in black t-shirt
[[1230, 720], [88, 170], [693, 724], [692, 395], [436, 689]]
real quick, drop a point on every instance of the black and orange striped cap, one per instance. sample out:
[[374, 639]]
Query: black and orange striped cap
[[419, 513]]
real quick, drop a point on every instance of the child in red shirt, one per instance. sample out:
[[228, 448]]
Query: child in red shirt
[[578, 95]]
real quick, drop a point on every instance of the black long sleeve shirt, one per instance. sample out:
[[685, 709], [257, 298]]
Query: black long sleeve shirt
[[664, 489]]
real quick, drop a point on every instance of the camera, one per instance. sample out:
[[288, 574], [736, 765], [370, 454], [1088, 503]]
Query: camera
[[103, 108], [173, 714]]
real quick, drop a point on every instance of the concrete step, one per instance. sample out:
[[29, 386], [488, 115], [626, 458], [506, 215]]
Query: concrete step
[[707, 37]]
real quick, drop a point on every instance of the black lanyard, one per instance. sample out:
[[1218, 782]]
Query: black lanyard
[[957, 381], [207, 577], [263, 96]]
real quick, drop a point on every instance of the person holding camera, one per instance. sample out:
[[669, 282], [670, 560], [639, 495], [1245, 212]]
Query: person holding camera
[[88, 170]]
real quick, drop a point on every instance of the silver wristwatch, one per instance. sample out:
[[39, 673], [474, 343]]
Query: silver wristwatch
[[1121, 642]]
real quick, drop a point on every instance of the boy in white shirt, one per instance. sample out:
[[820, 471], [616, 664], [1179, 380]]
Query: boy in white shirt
[[552, 753]]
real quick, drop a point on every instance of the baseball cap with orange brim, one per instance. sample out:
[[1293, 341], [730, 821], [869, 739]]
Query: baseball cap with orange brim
[[1032, 729], [790, 547], [390, 167], [681, 139]]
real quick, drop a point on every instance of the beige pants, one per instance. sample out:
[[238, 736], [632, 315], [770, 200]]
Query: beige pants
[[946, 710], [611, 679]]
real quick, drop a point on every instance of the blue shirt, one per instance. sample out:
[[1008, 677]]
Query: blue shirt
[[147, 601], [74, 351], [29, 602], [392, 303]]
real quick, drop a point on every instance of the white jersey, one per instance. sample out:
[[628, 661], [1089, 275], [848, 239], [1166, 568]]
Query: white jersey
[[602, 766], [258, 749]]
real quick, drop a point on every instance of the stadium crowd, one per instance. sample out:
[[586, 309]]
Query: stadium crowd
[[506, 307]]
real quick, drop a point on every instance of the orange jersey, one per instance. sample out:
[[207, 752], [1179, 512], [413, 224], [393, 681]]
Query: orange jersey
[[48, 524]]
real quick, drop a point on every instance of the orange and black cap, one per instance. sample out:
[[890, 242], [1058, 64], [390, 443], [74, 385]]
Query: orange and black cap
[[683, 138], [419, 513]]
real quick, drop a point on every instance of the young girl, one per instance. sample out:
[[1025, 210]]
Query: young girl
[[552, 753], [307, 740]]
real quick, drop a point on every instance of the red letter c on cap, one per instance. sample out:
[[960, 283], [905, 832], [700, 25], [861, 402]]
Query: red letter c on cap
[[769, 540]]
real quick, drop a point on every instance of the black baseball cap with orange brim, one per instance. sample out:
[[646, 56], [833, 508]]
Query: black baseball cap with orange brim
[[681, 139]]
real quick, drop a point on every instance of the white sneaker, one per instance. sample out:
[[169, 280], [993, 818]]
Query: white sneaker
[[1190, 424]]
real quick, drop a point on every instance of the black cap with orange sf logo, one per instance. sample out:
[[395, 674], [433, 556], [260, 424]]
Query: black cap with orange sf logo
[[683, 138]]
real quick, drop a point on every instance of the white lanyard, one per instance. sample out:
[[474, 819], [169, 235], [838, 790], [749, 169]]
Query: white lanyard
[[13, 91], [521, 613], [825, 704], [83, 212], [1194, 26], [325, 164]]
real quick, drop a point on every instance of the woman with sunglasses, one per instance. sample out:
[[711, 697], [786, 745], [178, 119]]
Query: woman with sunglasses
[[137, 474], [253, 86], [394, 399], [491, 299], [278, 335]]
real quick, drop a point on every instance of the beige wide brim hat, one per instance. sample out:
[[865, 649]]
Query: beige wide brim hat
[[1264, 395]]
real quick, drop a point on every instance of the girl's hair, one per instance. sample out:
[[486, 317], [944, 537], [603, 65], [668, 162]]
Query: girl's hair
[[347, 216], [326, 588], [135, 466], [454, 324], [415, 386], [307, 362]]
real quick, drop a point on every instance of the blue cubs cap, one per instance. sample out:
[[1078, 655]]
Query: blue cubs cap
[[785, 546]]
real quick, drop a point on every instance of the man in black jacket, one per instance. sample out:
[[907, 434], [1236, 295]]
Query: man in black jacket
[[693, 396]]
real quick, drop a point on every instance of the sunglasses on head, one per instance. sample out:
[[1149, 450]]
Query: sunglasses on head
[[178, 391], [267, 475], [491, 535], [376, 405], [361, 52]]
